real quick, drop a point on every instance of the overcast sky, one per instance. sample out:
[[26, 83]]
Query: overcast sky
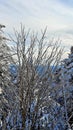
[[57, 15]]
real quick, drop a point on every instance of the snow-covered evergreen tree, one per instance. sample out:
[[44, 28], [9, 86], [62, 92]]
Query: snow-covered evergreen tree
[[63, 90], [68, 83], [6, 91]]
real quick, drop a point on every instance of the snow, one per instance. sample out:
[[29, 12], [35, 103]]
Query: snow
[[0, 90]]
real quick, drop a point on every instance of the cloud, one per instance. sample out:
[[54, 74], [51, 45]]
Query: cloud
[[57, 15], [36, 13]]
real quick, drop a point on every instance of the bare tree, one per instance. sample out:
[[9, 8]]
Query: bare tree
[[27, 93], [34, 58]]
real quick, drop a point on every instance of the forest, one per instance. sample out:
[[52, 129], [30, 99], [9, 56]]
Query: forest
[[36, 84]]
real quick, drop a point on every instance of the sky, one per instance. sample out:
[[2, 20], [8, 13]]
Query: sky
[[57, 15]]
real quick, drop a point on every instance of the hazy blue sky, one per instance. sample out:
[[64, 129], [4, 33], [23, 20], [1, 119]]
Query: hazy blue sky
[[57, 15]]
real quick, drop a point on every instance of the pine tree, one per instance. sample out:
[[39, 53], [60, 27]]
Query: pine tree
[[63, 90], [68, 78], [5, 90]]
